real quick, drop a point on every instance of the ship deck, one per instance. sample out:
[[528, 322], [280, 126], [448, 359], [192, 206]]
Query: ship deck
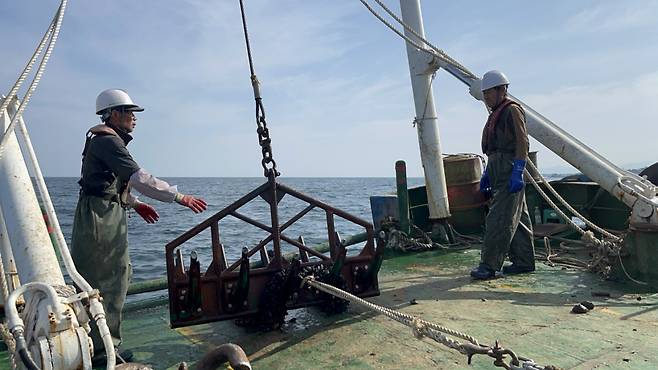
[[529, 314]]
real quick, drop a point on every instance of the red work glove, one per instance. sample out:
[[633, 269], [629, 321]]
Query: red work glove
[[195, 204], [147, 212]]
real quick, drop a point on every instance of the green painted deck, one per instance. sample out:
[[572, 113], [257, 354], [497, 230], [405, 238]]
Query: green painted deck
[[529, 314]]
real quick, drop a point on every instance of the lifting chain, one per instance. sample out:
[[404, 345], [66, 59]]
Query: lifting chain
[[268, 162]]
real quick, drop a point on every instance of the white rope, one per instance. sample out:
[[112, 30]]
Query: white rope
[[441, 54], [552, 204], [53, 33], [621, 263], [10, 342], [603, 247], [422, 328], [30, 64], [409, 320], [568, 206]]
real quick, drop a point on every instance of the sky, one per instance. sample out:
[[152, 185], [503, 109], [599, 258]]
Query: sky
[[335, 81]]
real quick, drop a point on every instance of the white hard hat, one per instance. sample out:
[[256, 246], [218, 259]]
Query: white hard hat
[[492, 79], [113, 98]]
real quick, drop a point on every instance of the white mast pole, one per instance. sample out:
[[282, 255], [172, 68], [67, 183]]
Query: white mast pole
[[426, 119], [32, 248]]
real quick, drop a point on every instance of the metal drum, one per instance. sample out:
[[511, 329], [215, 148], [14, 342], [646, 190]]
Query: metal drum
[[463, 172]]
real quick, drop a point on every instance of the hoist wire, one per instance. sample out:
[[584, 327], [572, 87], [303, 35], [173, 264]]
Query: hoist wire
[[246, 38], [264, 139]]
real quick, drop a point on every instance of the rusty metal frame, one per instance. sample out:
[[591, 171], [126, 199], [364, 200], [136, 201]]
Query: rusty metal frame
[[219, 282]]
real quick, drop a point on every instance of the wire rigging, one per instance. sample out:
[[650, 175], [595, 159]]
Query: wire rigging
[[264, 140]]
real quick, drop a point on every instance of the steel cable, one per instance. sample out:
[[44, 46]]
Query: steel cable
[[268, 163]]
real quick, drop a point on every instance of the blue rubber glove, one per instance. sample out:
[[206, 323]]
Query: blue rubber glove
[[516, 180], [485, 185]]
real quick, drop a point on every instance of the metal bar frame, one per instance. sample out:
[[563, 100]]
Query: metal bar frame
[[218, 282]]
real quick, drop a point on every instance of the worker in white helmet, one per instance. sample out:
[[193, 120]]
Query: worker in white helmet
[[508, 230], [99, 244]]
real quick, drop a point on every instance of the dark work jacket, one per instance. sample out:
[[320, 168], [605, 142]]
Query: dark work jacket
[[106, 164], [509, 132]]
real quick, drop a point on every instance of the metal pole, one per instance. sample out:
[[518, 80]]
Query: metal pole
[[31, 245], [403, 195], [426, 119]]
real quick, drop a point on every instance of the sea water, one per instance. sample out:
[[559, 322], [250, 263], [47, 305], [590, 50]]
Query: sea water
[[147, 241]]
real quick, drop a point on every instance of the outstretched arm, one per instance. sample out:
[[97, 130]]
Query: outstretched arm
[[155, 188]]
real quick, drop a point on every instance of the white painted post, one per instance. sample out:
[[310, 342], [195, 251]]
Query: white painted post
[[426, 119], [32, 248]]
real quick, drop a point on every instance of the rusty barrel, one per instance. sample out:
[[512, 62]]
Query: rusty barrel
[[463, 172]]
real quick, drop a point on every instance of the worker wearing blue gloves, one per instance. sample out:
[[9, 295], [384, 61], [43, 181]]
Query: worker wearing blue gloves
[[505, 142]]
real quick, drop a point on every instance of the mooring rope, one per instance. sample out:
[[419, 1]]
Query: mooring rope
[[422, 328], [603, 247]]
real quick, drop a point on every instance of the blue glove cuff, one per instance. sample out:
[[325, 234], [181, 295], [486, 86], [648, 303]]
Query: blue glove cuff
[[519, 165]]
